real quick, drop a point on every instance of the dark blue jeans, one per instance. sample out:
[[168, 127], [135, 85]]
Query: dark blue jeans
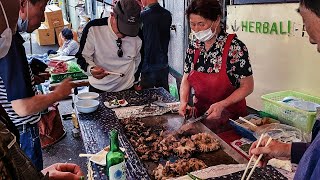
[[155, 79], [30, 144]]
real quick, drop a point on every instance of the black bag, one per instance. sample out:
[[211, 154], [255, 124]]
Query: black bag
[[37, 66], [6, 120]]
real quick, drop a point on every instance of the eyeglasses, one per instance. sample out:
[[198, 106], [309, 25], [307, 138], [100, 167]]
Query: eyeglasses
[[119, 44]]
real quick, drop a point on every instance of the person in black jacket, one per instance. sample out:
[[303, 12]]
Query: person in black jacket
[[156, 22]]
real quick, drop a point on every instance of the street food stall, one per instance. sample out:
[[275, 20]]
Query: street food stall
[[148, 127]]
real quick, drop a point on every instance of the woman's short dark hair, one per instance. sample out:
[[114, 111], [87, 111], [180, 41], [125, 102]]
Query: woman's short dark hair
[[313, 5], [208, 9], [67, 33]]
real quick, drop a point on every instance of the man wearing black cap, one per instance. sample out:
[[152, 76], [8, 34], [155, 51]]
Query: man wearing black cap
[[109, 46]]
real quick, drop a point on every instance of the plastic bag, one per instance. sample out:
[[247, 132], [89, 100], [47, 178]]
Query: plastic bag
[[282, 132]]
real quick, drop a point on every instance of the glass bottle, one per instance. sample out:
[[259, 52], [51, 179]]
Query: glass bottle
[[116, 166]]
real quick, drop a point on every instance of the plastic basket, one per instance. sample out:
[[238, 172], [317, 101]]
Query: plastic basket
[[57, 78], [298, 118]]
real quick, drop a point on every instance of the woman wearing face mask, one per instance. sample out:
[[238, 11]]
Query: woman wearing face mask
[[217, 67]]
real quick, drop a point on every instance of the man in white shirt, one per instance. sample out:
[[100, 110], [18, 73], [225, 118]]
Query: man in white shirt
[[111, 45]]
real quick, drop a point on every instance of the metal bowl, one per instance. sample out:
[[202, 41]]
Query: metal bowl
[[87, 106], [88, 95]]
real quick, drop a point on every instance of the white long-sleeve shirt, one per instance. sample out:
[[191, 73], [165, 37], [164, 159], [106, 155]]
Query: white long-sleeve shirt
[[98, 47]]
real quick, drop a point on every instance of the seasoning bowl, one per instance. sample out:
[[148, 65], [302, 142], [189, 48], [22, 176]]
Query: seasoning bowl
[[87, 106]]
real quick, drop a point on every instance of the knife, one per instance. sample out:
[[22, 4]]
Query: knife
[[193, 120]]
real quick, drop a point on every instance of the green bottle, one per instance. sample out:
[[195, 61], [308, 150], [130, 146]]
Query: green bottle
[[116, 165]]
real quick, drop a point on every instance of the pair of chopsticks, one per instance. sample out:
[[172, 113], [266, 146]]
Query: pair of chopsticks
[[252, 157], [91, 155], [115, 73], [248, 122]]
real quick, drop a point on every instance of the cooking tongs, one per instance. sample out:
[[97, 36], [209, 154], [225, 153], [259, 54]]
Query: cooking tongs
[[193, 120]]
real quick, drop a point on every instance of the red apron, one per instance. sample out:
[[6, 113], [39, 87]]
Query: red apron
[[214, 87]]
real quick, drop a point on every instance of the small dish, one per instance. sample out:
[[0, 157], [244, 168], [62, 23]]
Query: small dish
[[116, 103], [100, 159]]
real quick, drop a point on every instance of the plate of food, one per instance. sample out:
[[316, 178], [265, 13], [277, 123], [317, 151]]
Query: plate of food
[[116, 103], [100, 157]]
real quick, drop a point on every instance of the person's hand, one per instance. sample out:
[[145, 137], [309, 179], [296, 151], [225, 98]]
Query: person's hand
[[185, 110], [63, 171], [64, 89], [215, 110], [98, 72], [275, 149], [194, 99]]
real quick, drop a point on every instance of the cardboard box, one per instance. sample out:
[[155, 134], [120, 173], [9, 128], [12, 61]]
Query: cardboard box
[[59, 29], [53, 16], [45, 36]]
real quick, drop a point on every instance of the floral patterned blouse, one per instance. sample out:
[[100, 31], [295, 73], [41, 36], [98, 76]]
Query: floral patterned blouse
[[238, 62]]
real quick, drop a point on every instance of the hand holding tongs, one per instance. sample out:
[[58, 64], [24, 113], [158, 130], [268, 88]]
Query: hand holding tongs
[[187, 125], [191, 120]]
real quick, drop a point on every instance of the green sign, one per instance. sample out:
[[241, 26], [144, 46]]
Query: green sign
[[279, 28]]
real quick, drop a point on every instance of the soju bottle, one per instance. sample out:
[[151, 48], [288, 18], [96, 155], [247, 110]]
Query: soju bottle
[[116, 166]]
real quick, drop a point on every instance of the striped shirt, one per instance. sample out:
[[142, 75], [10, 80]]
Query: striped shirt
[[16, 81]]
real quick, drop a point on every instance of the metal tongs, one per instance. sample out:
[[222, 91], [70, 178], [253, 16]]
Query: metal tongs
[[193, 120], [188, 122]]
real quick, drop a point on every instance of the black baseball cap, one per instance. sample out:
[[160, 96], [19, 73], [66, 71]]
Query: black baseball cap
[[128, 17]]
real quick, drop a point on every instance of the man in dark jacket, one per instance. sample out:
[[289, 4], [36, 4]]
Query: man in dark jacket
[[156, 23]]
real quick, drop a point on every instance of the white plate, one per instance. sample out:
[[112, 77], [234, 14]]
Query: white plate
[[110, 106], [115, 106], [101, 158]]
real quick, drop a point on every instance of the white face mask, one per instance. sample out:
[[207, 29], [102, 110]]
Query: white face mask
[[205, 35], [6, 36], [23, 24]]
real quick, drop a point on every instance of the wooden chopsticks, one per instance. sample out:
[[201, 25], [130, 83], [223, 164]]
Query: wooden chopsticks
[[252, 157], [246, 121], [115, 73], [91, 155]]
